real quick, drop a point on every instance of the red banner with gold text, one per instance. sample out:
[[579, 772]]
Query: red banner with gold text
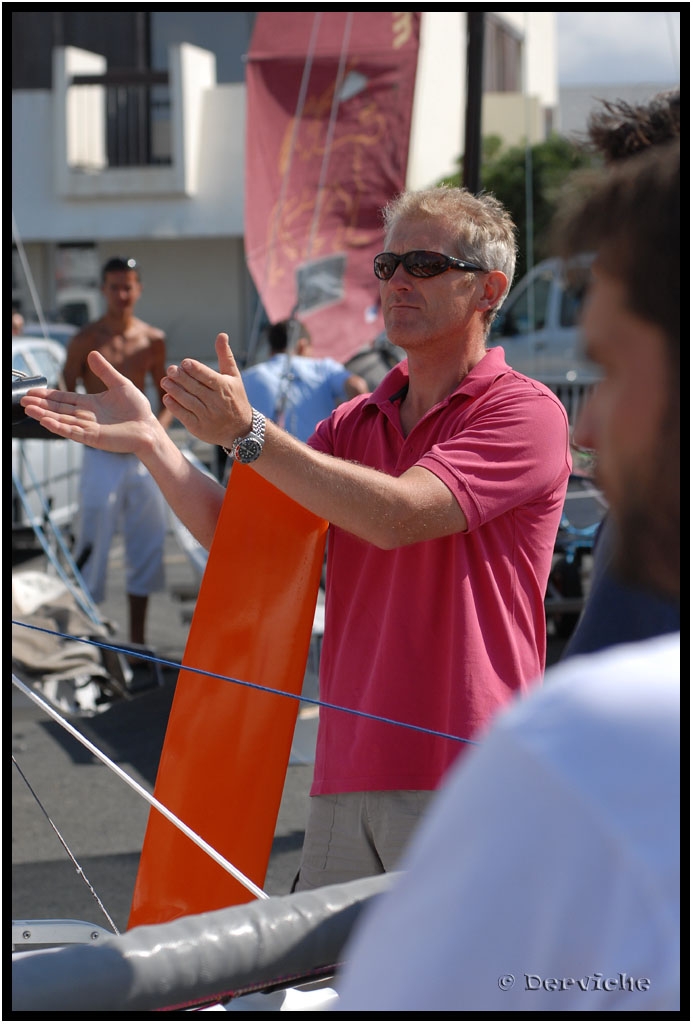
[[329, 102]]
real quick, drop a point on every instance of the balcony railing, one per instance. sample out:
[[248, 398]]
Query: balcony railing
[[137, 116]]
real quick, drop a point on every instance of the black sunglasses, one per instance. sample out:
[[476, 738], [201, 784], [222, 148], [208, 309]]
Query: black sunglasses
[[419, 263]]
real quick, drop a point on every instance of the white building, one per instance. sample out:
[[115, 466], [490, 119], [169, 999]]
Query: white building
[[177, 206], [577, 102]]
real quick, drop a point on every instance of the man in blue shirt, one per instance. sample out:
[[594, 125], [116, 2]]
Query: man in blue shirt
[[293, 388]]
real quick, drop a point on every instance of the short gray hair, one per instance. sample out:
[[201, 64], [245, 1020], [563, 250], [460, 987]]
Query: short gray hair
[[485, 231]]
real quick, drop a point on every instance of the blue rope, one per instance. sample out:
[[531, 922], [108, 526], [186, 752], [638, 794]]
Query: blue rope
[[253, 686]]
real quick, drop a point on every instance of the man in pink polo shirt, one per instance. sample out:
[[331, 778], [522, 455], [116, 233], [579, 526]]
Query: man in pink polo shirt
[[444, 490], [439, 633]]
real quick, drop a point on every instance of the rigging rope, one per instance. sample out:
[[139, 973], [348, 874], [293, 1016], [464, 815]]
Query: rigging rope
[[336, 99], [330, 132], [253, 686], [217, 857], [29, 276], [78, 868], [300, 103], [174, 819]]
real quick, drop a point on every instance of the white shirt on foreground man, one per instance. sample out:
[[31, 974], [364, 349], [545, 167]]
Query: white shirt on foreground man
[[592, 755]]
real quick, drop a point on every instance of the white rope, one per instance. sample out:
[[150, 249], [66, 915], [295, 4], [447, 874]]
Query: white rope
[[673, 41], [330, 131], [78, 867], [529, 201], [221, 861], [29, 276], [300, 103]]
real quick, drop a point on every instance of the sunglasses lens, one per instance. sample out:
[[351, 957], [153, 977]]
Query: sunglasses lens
[[418, 263], [384, 266], [421, 263]]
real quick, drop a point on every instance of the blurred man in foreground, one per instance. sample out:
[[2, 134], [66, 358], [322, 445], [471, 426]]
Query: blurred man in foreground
[[615, 611]]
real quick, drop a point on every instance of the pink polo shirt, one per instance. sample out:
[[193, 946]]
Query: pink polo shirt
[[442, 633]]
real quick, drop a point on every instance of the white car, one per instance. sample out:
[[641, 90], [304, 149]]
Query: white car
[[45, 470], [54, 331], [538, 324]]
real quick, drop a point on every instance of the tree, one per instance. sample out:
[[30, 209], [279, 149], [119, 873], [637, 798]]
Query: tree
[[505, 173]]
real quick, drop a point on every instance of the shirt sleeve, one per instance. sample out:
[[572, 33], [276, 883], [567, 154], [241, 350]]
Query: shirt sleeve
[[512, 450]]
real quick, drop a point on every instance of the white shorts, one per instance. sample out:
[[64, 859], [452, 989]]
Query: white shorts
[[117, 494]]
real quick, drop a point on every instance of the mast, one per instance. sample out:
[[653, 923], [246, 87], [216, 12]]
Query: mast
[[471, 178]]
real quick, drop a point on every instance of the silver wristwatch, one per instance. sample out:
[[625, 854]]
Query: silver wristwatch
[[247, 449]]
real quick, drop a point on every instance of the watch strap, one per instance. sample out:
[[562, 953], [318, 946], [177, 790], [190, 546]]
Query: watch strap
[[257, 430]]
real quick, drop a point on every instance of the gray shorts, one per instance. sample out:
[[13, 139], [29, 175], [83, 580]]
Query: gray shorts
[[357, 835]]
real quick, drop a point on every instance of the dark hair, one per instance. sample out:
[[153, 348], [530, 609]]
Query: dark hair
[[630, 215], [118, 263], [286, 334], [619, 130]]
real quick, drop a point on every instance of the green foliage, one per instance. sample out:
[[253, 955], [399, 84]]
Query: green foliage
[[505, 172]]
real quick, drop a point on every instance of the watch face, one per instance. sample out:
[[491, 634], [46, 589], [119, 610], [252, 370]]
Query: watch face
[[248, 449]]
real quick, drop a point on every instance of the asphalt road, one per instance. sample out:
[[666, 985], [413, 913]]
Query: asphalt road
[[65, 799]]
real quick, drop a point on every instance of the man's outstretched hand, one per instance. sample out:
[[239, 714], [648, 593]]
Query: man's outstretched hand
[[212, 406], [115, 420]]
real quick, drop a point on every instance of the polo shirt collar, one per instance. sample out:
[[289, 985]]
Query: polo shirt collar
[[393, 387]]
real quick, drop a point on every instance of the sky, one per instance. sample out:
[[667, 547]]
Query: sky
[[618, 47]]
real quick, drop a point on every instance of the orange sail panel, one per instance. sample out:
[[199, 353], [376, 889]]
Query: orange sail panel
[[227, 746]]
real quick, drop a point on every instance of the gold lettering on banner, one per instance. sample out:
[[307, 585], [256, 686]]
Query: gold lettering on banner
[[342, 192], [402, 28]]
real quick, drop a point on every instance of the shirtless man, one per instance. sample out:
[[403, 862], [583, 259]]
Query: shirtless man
[[116, 491], [17, 323]]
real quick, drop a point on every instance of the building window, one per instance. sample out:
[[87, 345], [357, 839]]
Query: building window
[[122, 37], [502, 56]]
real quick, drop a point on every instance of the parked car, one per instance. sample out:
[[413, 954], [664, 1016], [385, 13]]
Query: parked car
[[55, 331], [538, 324], [45, 468], [79, 304]]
